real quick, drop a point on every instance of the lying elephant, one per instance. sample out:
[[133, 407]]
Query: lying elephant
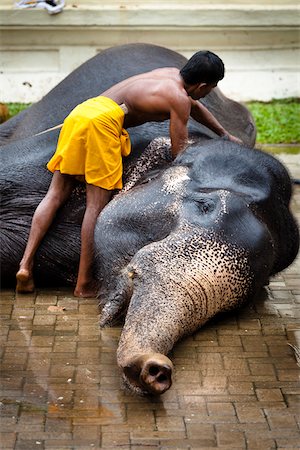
[[24, 179], [182, 241]]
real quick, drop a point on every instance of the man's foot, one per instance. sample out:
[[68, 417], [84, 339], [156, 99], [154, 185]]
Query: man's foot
[[25, 283], [86, 290]]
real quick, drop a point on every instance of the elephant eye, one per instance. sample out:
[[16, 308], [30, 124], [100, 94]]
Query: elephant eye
[[205, 206]]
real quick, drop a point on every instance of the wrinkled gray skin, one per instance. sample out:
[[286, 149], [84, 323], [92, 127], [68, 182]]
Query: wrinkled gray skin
[[200, 237], [183, 241]]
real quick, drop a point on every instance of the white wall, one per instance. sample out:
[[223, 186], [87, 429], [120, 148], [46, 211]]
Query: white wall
[[259, 43]]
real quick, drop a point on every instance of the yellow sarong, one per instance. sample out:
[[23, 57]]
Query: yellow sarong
[[92, 142]]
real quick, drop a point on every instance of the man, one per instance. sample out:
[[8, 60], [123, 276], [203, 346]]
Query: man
[[93, 140]]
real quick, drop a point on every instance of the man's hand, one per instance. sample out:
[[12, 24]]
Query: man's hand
[[201, 114]]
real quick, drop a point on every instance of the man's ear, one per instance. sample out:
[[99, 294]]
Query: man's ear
[[198, 85]]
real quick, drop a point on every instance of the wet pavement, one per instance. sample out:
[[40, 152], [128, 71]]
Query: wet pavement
[[236, 381]]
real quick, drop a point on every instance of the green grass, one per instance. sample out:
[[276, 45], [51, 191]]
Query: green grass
[[277, 122], [15, 108]]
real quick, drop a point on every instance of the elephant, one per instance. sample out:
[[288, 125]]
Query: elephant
[[183, 240], [26, 148]]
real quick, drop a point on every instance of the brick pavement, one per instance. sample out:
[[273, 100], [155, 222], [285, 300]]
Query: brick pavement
[[236, 381]]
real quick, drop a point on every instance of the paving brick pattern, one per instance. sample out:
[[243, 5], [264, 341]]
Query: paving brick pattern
[[236, 381]]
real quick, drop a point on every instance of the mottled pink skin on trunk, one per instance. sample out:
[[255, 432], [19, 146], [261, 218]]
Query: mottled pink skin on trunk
[[173, 295]]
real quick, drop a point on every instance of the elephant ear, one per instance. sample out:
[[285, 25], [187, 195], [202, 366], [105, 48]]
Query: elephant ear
[[287, 239], [278, 217]]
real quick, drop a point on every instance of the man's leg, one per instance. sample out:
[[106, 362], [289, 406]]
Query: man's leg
[[59, 190], [96, 199]]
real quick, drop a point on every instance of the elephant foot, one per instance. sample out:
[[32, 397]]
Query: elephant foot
[[86, 290], [25, 283]]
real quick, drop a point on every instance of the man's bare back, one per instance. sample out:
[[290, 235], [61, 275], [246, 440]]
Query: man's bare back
[[150, 96]]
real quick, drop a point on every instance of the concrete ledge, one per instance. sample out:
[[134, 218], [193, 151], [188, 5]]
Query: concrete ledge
[[258, 43], [173, 14]]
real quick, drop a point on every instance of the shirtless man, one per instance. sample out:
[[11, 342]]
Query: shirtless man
[[93, 140]]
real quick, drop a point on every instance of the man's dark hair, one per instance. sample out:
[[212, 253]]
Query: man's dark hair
[[203, 66]]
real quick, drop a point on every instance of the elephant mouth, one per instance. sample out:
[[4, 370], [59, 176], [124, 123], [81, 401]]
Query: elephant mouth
[[131, 388]]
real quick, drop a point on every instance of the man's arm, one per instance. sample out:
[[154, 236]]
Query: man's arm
[[202, 115], [179, 116]]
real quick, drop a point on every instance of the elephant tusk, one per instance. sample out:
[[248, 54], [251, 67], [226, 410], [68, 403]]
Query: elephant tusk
[[49, 129]]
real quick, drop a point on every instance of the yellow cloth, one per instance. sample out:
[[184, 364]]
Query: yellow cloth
[[92, 142]]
